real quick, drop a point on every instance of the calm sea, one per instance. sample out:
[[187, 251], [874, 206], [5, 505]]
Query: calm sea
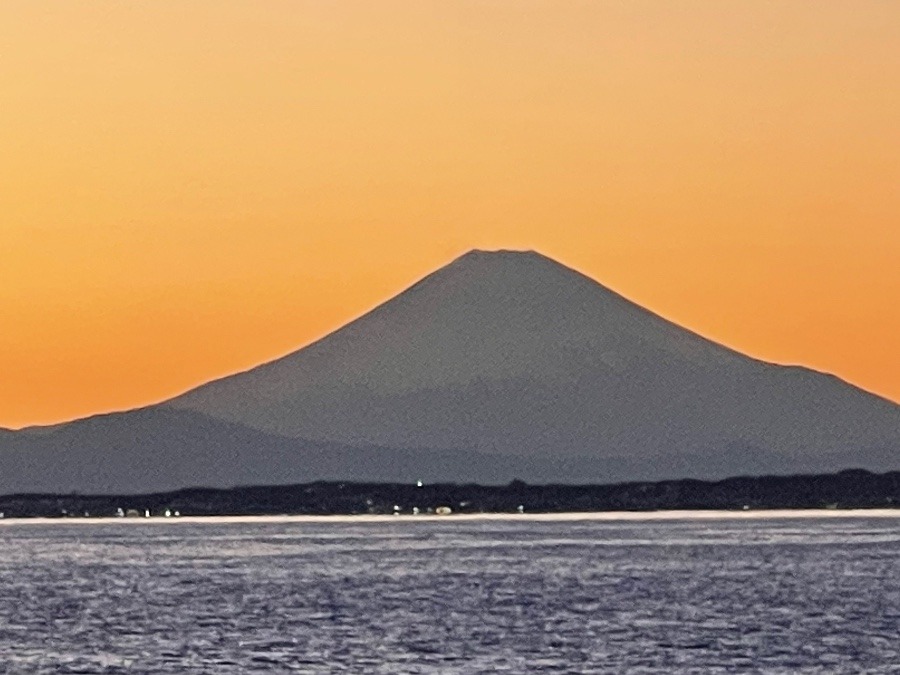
[[520, 595]]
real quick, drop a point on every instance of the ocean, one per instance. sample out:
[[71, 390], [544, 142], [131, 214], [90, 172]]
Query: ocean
[[606, 593]]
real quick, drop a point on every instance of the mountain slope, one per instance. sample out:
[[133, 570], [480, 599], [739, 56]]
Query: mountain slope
[[157, 449]]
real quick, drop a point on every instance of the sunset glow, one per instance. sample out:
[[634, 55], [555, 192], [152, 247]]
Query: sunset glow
[[189, 188]]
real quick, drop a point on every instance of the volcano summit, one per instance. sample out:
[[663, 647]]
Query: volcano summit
[[500, 365]]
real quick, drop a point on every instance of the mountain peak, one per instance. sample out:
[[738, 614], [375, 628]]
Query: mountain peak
[[502, 255], [513, 268]]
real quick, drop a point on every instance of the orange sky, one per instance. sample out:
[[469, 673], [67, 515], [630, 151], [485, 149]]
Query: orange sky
[[188, 188]]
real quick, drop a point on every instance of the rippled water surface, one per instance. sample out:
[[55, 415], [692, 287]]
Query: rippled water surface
[[452, 596]]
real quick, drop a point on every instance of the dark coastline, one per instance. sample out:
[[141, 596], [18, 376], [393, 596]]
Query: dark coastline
[[853, 488]]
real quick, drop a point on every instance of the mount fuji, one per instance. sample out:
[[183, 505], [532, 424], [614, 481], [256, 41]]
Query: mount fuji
[[500, 365]]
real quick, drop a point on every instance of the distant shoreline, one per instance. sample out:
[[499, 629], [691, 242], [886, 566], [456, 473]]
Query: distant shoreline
[[742, 497], [595, 516]]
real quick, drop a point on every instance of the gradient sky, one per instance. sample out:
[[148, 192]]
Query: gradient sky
[[188, 188]]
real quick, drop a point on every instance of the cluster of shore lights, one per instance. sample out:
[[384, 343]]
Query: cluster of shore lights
[[135, 513], [440, 510]]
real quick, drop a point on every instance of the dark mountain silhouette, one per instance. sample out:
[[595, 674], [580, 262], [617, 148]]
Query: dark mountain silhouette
[[500, 365]]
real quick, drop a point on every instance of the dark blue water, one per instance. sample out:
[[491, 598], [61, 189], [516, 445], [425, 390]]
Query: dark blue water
[[451, 596]]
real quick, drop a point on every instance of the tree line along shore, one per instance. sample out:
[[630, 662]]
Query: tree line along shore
[[854, 488]]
